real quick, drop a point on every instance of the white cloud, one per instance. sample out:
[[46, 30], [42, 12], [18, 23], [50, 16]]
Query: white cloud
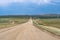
[[38, 2], [46, 1], [22, 1], [54, 2], [5, 2]]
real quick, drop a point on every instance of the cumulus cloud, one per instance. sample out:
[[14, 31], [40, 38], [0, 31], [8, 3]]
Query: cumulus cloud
[[38, 2]]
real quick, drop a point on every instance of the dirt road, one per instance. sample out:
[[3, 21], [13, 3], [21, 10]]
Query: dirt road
[[25, 31]]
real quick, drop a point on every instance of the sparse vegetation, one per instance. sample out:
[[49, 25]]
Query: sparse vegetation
[[9, 21], [47, 28], [50, 22]]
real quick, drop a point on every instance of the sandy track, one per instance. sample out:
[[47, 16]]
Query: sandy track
[[25, 31]]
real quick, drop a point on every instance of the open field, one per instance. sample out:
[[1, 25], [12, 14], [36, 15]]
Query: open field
[[25, 31], [11, 21], [51, 25], [55, 22]]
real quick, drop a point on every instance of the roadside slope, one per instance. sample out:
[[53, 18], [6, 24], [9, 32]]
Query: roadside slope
[[25, 31]]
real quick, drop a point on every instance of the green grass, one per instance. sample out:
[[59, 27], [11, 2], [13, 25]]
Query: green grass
[[50, 22], [9, 22]]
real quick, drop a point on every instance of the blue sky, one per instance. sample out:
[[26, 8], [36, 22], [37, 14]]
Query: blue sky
[[29, 7]]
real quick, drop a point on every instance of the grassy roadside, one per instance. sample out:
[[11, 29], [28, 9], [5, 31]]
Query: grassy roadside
[[9, 22], [50, 22], [50, 29]]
